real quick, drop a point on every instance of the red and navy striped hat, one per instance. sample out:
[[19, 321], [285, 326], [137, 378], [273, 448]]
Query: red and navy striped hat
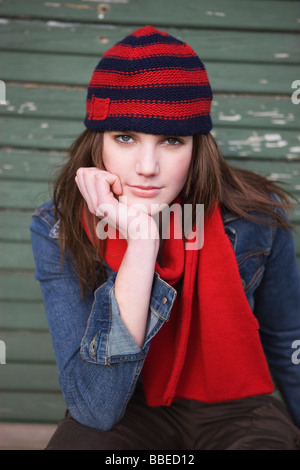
[[150, 82]]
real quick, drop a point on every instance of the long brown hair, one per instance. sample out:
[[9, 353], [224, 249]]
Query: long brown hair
[[210, 180]]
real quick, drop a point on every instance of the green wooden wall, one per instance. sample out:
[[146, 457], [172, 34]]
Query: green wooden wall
[[48, 52]]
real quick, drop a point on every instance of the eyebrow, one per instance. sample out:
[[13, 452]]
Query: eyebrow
[[157, 135]]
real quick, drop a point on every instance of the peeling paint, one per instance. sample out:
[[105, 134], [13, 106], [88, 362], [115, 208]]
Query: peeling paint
[[102, 9], [59, 24], [279, 144], [295, 149], [290, 156], [107, 1], [279, 122], [250, 141], [255, 141], [281, 55], [215, 13], [78, 7], [103, 39], [234, 117], [52, 4], [4, 21], [272, 137], [29, 105], [277, 176], [273, 113]]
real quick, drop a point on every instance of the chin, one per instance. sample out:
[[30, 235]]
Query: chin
[[147, 205]]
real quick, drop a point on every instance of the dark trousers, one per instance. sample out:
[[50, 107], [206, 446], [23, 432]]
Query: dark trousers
[[256, 423]]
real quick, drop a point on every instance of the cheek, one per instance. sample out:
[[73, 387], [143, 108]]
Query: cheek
[[112, 163], [179, 173]]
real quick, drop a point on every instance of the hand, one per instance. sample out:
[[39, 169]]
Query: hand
[[99, 188]]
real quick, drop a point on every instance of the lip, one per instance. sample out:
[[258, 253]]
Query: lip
[[145, 191]]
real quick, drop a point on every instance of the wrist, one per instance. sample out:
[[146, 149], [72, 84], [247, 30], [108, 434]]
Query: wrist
[[143, 246]]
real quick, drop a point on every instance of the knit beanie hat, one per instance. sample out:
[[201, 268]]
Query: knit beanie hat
[[150, 82]]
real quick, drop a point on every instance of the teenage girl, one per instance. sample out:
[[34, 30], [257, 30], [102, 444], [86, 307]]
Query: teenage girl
[[162, 342]]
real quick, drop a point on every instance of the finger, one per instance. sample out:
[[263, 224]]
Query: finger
[[105, 182], [86, 185], [115, 183], [117, 187]]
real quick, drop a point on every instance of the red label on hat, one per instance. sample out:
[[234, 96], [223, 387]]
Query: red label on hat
[[99, 108]]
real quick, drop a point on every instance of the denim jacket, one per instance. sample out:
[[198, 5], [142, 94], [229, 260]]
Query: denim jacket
[[99, 363]]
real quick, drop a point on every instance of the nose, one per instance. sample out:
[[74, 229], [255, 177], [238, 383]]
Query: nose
[[147, 161]]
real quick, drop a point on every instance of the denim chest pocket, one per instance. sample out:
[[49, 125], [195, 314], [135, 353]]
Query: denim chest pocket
[[251, 251], [251, 267]]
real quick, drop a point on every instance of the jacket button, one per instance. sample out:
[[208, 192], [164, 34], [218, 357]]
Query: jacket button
[[244, 283], [164, 300]]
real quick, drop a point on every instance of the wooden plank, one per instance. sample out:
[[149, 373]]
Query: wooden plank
[[16, 256], [281, 172], [252, 144], [39, 133], [19, 287], [52, 134], [43, 166], [19, 256], [23, 195], [16, 436], [28, 165], [266, 16], [86, 39], [28, 346], [31, 407], [273, 112], [22, 316], [14, 226], [33, 100], [227, 77], [29, 377], [29, 290]]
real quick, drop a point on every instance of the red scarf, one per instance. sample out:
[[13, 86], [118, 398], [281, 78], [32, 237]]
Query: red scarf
[[209, 350]]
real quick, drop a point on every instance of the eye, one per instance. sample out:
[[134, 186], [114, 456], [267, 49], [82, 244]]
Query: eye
[[124, 138], [173, 141]]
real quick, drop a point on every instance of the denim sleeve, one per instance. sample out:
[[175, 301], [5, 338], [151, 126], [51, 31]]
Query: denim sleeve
[[98, 360], [277, 307]]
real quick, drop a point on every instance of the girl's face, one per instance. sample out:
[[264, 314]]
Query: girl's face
[[152, 168]]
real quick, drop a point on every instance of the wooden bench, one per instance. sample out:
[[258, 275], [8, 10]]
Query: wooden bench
[[48, 53]]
